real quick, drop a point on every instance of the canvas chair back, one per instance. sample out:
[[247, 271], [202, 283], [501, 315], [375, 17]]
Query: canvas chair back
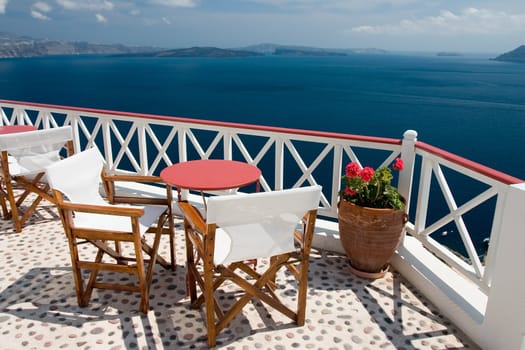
[[82, 186], [32, 151], [260, 224]]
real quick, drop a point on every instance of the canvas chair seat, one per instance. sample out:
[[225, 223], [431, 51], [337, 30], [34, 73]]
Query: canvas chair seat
[[118, 223], [238, 229], [147, 191]]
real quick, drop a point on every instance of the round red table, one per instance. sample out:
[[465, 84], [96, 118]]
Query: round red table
[[210, 175], [11, 129]]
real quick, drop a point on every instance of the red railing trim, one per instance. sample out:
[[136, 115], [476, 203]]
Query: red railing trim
[[305, 132], [469, 164]]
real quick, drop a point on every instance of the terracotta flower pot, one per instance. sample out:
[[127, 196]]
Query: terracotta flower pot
[[370, 237]]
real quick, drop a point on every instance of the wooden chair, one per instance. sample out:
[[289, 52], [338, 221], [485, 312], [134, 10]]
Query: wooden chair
[[240, 228], [88, 218], [24, 157]]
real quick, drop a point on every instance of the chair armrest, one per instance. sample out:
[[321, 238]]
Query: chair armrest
[[113, 197], [193, 215], [133, 178], [103, 209]]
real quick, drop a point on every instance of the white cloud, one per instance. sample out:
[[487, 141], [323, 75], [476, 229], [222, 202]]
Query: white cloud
[[334, 4], [166, 20], [468, 21], [3, 4], [38, 15], [39, 10], [41, 6], [101, 18], [176, 3], [366, 29], [96, 5]]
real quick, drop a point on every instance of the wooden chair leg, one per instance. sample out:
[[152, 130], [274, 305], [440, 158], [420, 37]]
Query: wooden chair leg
[[155, 248], [172, 246], [145, 275], [191, 269], [14, 206], [209, 304], [77, 274], [5, 212], [19, 217], [301, 293]]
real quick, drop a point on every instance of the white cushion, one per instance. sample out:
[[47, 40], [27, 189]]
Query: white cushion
[[116, 222]]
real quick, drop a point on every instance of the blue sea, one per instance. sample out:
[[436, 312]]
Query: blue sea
[[468, 105]]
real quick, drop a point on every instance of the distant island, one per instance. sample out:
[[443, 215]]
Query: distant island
[[294, 50], [516, 55], [447, 53], [284, 51]]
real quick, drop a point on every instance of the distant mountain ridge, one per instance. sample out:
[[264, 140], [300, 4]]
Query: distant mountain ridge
[[253, 50], [12, 45], [516, 55], [195, 52]]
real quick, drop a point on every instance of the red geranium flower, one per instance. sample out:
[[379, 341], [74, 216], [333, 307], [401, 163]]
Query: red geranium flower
[[349, 192], [352, 169], [366, 174], [398, 164]]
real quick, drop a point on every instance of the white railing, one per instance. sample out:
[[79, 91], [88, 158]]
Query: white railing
[[492, 185], [145, 144]]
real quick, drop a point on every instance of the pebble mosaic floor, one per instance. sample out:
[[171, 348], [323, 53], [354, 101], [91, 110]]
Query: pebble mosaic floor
[[38, 307]]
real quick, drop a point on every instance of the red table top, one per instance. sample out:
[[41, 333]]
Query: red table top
[[210, 174], [11, 129]]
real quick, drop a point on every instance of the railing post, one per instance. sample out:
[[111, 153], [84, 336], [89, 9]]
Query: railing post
[[143, 148], [227, 146], [505, 313], [108, 148], [182, 146], [44, 119], [336, 177], [183, 154], [279, 164], [76, 133], [17, 117], [3, 117], [408, 154]]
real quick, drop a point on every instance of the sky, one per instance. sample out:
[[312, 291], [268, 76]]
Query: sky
[[488, 26]]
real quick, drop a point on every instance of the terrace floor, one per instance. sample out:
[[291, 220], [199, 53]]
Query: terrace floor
[[38, 307]]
